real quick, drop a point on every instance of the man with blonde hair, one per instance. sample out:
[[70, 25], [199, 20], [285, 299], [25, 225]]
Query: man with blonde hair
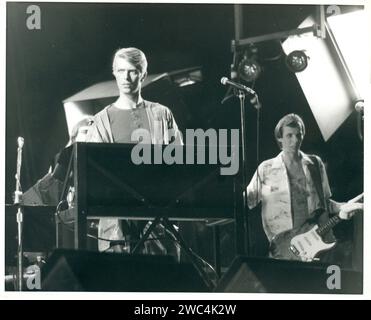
[[130, 114], [116, 122]]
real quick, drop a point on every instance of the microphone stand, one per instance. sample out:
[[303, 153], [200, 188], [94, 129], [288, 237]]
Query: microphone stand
[[242, 225], [242, 247], [18, 203]]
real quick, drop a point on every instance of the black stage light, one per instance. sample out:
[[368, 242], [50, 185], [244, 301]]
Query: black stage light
[[249, 69], [297, 61]]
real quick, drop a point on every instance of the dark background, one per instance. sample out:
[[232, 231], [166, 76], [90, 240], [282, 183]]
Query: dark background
[[74, 49]]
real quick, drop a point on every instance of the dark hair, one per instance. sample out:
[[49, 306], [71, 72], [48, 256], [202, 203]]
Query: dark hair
[[289, 120]]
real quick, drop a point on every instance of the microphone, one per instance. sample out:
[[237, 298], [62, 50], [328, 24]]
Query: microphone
[[225, 81]]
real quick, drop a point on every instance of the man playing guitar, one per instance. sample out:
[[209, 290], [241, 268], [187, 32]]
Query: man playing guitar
[[292, 187]]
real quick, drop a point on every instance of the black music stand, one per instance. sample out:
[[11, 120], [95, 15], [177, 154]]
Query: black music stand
[[108, 184]]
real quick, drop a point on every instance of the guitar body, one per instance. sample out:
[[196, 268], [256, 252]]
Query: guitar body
[[305, 243], [302, 243]]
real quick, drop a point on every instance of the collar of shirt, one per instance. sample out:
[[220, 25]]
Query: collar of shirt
[[278, 161]]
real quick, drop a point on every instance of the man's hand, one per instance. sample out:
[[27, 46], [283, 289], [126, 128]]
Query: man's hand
[[348, 210]]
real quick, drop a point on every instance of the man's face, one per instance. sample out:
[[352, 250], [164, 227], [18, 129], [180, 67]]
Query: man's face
[[291, 139], [129, 79]]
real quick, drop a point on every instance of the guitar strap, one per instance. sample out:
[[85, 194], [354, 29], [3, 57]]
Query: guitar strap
[[321, 215], [315, 173]]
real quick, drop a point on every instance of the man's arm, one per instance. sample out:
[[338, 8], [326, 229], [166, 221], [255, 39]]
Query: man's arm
[[175, 135], [334, 206], [346, 210], [253, 190], [99, 129], [93, 134]]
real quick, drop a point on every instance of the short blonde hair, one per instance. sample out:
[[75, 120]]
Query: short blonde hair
[[133, 55]]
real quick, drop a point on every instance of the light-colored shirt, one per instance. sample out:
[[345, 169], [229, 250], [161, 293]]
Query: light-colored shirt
[[270, 186], [162, 126]]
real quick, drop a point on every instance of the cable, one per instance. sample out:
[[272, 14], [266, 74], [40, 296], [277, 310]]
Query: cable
[[68, 227], [61, 202], [193, 253], [205, 263], [68, 224], [119, 242]]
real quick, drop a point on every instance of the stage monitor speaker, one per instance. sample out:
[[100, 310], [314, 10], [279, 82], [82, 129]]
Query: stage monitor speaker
[[76, 270], [264, 275]]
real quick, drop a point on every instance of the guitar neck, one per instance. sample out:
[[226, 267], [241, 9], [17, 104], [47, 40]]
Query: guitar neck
[[335, 220], [323, 229], [356, 199]]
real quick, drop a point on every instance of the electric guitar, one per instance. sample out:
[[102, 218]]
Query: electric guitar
[[306, 242]]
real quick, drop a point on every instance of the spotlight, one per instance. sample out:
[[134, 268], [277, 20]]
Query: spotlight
[[248, 69], [297, 61]]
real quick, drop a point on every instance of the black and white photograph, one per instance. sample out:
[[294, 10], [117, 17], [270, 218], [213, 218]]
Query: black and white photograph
[[185, 147]]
